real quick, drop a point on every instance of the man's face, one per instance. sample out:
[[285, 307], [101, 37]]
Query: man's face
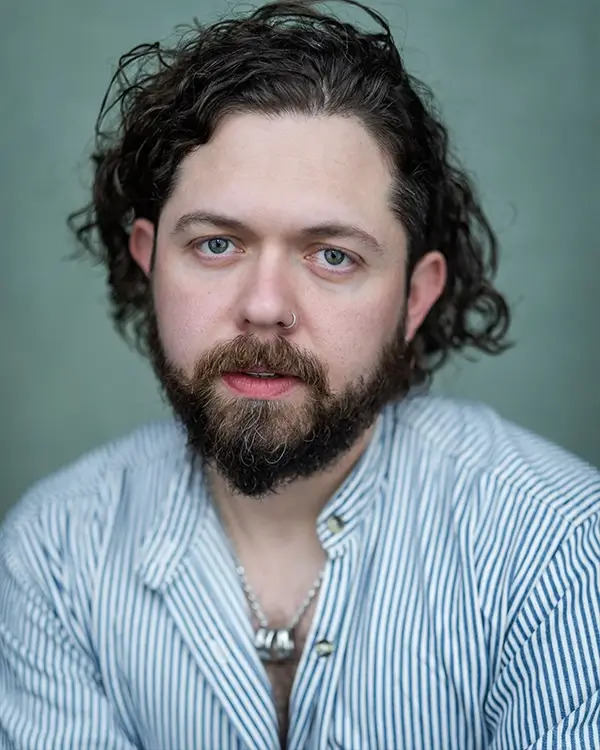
[[254, 230]]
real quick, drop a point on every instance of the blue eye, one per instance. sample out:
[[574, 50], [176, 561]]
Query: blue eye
[[216, 245], [335, 258]]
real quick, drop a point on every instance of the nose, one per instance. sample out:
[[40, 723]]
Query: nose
[[266, 301]]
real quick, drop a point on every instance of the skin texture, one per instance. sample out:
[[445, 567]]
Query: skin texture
[[279, 175]]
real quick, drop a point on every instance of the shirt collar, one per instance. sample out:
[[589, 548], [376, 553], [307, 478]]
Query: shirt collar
[[179, 516], [346, 509], [183, 510]]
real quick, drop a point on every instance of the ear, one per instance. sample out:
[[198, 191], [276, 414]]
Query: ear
[[141, 244], [426, 284]]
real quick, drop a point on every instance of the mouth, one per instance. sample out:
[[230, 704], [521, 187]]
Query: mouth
[[260, 383], [260, 371]]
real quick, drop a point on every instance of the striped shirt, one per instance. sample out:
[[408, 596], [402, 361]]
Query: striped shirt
[[460, 604]]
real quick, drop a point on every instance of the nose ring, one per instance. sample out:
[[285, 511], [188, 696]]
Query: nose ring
[[293, 323]]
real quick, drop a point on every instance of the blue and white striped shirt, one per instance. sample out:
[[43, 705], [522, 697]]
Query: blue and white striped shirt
[[461, 598]]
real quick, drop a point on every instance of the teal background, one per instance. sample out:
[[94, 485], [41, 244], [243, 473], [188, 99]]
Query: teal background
[[518, 81]]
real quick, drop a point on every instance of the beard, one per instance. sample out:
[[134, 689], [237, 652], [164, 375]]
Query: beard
[[260, 445]]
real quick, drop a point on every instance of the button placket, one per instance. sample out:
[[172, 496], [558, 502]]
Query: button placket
[[319, 673]]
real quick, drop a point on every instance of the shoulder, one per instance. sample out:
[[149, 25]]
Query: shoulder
[[497, 459], [64, 519], [515, 502]]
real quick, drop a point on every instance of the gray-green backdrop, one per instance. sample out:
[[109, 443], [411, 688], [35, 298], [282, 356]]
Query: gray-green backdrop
[[519, 82]]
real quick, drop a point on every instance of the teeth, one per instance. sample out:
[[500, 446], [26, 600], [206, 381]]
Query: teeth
[[262, 374]]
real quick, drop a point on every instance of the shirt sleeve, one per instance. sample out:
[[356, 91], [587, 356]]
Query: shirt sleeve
[[51, 694], [547, 692]]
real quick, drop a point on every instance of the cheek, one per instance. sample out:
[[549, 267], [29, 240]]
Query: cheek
[[355, 340], [186, 318]]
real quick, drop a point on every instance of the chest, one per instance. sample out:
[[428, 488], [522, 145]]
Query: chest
[[281, 677], [371, 691], [282, 674], [380, 665]]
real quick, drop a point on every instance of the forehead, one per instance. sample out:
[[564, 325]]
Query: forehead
[[287, 169]]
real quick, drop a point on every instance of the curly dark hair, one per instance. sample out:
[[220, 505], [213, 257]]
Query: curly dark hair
[[288, 57]]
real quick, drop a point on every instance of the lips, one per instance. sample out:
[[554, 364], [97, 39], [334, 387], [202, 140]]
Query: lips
[[260, 384]]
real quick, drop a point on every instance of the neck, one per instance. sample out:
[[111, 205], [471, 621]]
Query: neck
[[289, 515]]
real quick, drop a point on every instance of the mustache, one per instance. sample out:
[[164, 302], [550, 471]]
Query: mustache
[[246, 353]]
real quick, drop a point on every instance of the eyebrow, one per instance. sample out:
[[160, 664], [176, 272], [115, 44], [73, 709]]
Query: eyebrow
[[328, 229]]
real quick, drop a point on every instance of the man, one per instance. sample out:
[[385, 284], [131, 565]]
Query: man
[[319, 553]]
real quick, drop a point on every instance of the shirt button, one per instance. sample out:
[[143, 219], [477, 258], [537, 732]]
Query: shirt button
[[335, 524], [324, 648]]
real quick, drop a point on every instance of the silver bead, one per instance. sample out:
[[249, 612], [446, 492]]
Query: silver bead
[[275, 645]]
